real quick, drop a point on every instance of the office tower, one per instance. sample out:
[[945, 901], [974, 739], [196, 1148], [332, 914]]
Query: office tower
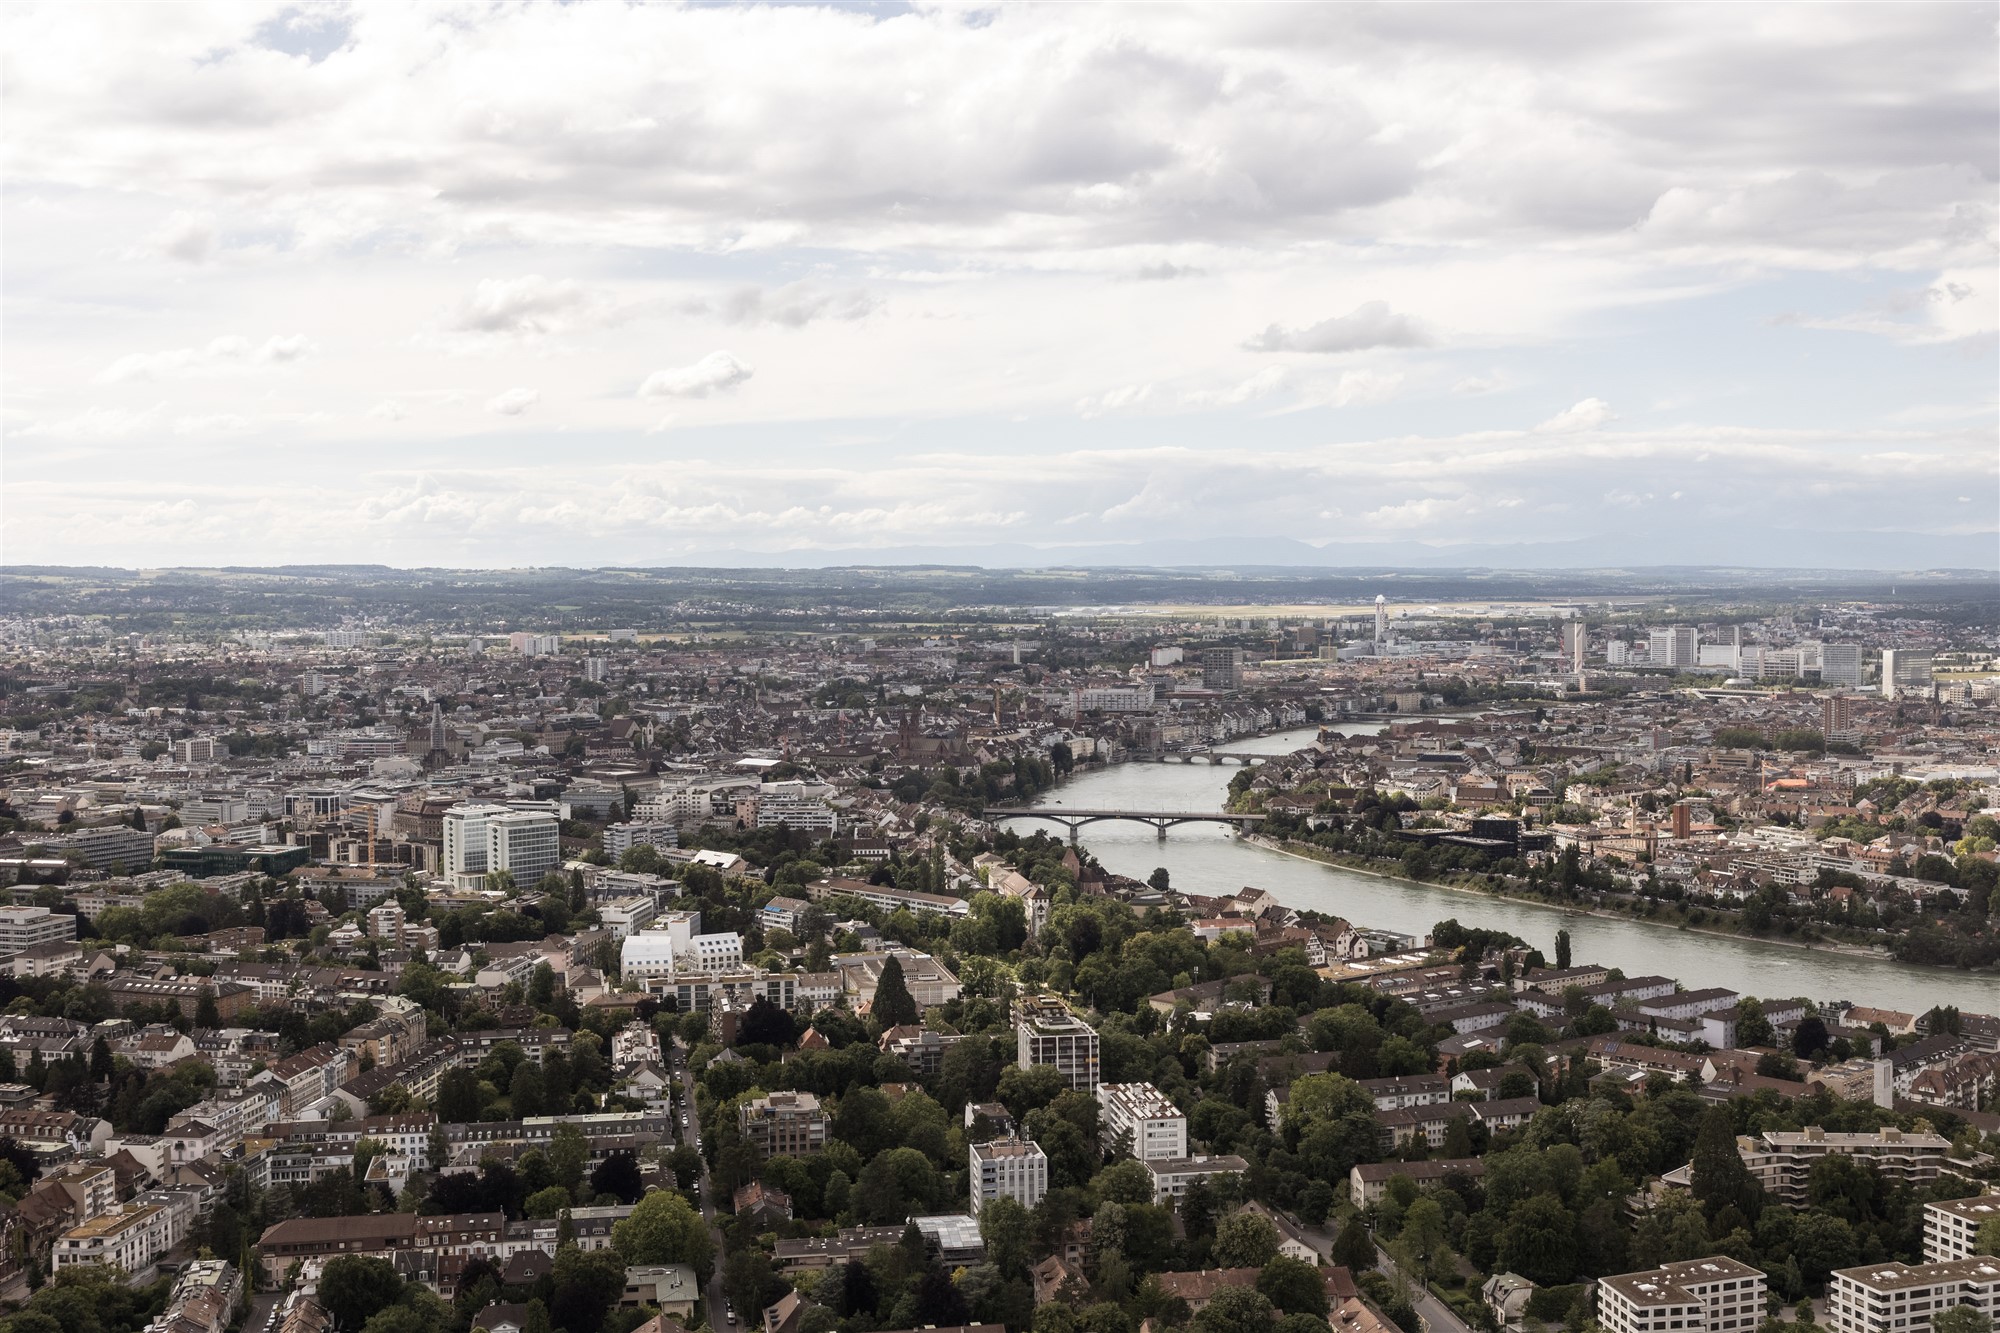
[[1381, 618], [1222, 668], [1907, 673], [1840, 664]]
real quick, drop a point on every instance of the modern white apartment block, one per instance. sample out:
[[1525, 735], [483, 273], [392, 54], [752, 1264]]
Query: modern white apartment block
[[465, 838], [527, 844], [1047, 1033], [22, 928], [622, 838], [132, 1239], [1157, 1127], [1712, 1295], [1781, 1160], [1014, 1169], [1952, 1226], [1894, 1297], [625, 917], [670, 945]]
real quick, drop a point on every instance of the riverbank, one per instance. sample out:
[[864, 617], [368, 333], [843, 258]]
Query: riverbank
[[1358, 865]]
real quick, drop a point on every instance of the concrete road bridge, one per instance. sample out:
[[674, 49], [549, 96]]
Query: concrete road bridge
[[1075, 817]]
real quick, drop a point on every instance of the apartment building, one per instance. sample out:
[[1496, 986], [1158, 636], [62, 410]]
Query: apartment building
[[1712, 1295], [622, 838], [1781, 1160], [1894, 1297], [787, 1124], [1951, 1226], [132, 1239], [1156, 1125], [1014, 1169], [22, 928], [1047, 1033]]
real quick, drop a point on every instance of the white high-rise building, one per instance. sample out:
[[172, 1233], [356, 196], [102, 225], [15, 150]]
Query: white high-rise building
[[527, 844], [1014, 1169], [1677, 647], [1381, 618], [1907, 674], [465, 838], [1157, 1127], [1840, 664], [480, 839]]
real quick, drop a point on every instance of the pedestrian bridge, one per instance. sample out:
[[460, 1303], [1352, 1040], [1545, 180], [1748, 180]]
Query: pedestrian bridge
[[1075, 817]]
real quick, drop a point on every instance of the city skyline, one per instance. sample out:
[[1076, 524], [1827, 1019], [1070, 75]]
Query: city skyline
[[593, 285]]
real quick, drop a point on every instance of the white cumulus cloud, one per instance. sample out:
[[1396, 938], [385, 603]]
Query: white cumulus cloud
[[1586, 415], [718, 372], [513, 402], [1371, 324]]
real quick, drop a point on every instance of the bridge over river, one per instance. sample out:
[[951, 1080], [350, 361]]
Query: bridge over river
[[1075, 817]]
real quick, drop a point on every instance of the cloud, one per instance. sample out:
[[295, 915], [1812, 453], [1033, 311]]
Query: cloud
[[718, 372], [1164, 272], [1476, 386], [99, 423], [214, 423], [513, 402], [1371, 324], [526, 306], [221, 356], [1265, 382], [792, 307], [1586, 415], [188, 237], [1113, 400]]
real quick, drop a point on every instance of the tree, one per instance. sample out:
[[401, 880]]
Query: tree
[[102, 1066], [1353, 1248], [1962, 1319], [1809, 1038], [1720, 1179], [569, 1153], [585, 1284], [353, 1288], [1246, 1240], [894, 1006], [524, 1091], [665, 1229], [1987, 1238], [1159, 879], [1233, 1309], [1293, 1286], [618, 1175], [1003, 1225], [1562, 950], [458, 1099], [206, 1014], [1539, 1242], [1424, 1241]]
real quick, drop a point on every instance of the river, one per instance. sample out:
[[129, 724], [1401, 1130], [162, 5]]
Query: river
[[1208, 858]]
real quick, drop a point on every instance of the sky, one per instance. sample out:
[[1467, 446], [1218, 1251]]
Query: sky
[[593, 284]]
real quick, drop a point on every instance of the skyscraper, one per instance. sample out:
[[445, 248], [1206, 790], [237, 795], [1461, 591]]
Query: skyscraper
[[1381, 618], [1222, 668]]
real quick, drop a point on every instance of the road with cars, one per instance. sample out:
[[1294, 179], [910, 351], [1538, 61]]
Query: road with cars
[[721, 1317]]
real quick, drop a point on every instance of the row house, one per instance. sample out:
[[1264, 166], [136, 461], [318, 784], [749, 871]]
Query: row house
[[310, 1078]]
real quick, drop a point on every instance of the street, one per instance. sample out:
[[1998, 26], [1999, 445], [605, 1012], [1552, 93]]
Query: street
[[1436, 1315], [690, 1134]]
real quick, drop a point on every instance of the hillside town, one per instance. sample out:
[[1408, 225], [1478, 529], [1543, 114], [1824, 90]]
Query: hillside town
[[384, 976]]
